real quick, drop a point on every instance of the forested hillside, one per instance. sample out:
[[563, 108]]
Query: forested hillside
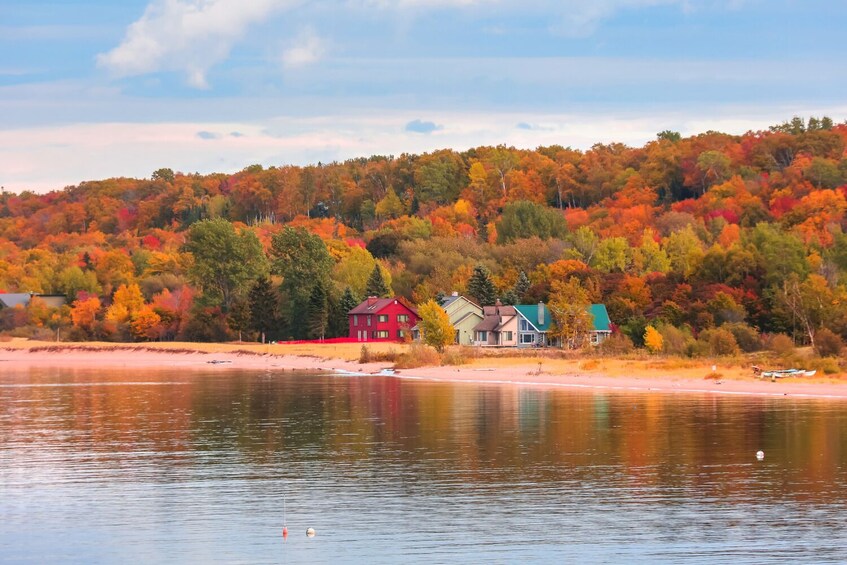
[[713, 234]]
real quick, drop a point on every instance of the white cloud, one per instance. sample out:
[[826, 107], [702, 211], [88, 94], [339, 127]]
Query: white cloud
[[185, 35], [307, 49], [49, 158]]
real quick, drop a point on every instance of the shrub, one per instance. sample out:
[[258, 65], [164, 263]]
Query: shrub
[[418, 355], [676, 341], [454, 356], [781, 344], [747, 338], [720, 341], [616, 344], [364, 354], [825, 365], [828, 343]]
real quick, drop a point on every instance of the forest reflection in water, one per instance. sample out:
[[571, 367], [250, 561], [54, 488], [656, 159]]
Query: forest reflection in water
[[177, 466]]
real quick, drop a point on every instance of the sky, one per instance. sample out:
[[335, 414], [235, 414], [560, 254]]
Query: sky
[[93, 89]]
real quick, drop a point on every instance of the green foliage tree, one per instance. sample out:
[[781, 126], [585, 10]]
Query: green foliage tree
[[238, 318], [318, 312], [481, 288], [376, 284], [225, 261], [522, 285], [391, 206], [613, 255], [302, 260], [263, 304], [684, 250], [435, 326], [524, 219]]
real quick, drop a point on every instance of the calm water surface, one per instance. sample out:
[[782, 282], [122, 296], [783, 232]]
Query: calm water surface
[[177, 467]]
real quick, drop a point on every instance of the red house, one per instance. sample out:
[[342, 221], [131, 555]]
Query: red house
[[381, 319]]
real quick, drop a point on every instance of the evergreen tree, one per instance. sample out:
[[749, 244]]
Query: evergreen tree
[[376, 284], [263, 308], [509, 297], [339, 321], [481, 288], [238, 317], [318, 312], [522, 286]]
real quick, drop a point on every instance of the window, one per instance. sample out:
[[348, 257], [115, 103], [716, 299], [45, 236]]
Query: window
[[401, 334], [595, 338], [369, 320], [382, 334], [507, 336], [527, 338], [524, 326], [482, 336], [402, 318], [355, 319], [382, 318]]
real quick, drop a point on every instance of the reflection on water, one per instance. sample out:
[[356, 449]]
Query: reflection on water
[[179, 467]]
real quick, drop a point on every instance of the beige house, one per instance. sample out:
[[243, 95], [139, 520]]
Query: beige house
[[498, 328], [464, 314]]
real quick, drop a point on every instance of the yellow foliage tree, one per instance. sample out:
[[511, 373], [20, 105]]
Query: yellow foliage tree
[[125, 303], [436, 329], [653, 340]]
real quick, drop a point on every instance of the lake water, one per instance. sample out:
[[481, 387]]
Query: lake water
[[179, 467]]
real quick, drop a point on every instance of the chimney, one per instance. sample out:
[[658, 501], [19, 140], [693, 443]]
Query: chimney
[[498, 303], [372, 300], [540, 313]]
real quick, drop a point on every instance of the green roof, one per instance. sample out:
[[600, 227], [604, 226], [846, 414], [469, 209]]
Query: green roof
[[601, 318], [530, 312], [598, 314]]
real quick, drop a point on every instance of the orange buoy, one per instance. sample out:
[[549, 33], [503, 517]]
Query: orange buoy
[[284, 532]]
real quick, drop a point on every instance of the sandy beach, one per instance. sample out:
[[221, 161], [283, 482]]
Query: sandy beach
[[614, 375]]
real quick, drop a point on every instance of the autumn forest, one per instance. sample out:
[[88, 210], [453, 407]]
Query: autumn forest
[[718, 243]]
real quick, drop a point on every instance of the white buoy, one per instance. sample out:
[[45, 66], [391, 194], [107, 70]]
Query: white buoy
[[760, 455], [310, 532]]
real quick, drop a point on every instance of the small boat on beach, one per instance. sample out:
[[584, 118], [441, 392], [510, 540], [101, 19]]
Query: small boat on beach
[[782, 373]]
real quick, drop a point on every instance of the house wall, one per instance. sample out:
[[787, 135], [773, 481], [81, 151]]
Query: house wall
[[500, 338], [458, 313], [382, 331]]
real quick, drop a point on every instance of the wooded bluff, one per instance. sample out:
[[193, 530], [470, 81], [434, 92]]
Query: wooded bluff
[[716, 242]]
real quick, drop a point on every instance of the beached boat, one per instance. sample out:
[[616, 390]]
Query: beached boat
[[783, 373]]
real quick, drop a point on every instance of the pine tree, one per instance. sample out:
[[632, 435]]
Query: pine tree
[[317, 312], [480, 286], [339, 323], [522, 286], [263, 308], [376, 284], [239, 316]]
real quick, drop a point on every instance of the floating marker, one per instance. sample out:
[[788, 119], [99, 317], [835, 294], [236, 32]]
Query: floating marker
[[310, 532], [284, 533], [760, 455]]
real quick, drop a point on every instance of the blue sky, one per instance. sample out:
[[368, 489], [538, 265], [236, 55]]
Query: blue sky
[[92, 89]]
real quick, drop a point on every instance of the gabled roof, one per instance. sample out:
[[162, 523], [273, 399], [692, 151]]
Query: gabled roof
[[448, 301], [599, 317], [530, 312], [373, 306], [13, 299], [602, 323], [493, 315]]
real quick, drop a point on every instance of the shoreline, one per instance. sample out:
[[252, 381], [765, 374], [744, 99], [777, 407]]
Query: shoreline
[[22, 356]]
